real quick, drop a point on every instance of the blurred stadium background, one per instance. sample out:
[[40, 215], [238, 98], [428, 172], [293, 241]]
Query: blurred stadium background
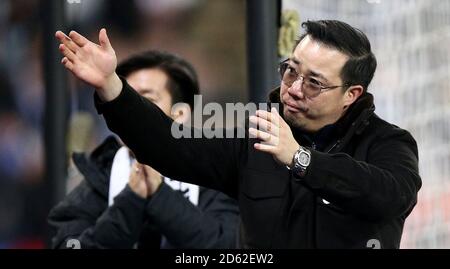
[[410, 39]]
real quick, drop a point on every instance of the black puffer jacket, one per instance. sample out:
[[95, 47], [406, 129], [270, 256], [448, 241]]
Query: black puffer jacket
[[361, 184], [84, 214]]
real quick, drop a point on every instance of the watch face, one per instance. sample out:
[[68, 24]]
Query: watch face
[[304, 158]]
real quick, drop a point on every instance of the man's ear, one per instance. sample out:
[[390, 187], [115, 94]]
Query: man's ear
[[181, 113], [352, 94]]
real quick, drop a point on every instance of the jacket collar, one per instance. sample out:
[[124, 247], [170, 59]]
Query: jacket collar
[[354, 121]]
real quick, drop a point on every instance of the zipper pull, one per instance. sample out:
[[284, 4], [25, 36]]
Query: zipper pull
[[335, 145]]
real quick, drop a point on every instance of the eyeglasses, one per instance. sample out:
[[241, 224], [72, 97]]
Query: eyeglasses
[[310, 86]]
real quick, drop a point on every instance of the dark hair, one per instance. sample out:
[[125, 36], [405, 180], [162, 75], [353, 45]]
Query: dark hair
[[361, 66], [183, 82]]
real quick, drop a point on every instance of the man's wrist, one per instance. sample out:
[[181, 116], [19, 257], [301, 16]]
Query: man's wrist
[[291, 164], [112, 88], [291, 154], [300, 161]]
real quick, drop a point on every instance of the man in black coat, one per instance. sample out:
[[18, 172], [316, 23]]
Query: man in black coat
[[325, 172], [150, 211]]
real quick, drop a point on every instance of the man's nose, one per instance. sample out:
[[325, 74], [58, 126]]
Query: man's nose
[[296, 89]]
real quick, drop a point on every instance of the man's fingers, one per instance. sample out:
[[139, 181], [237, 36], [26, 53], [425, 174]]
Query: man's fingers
[[61, 36], [147, 170], [150, 173], [67, 53], [80, 40], [104, 40], [67, 64], [264, 147], [271, 117], [265, 125], [67, 41], [266, 137], [264, 114], [261, 122], [275, 111]]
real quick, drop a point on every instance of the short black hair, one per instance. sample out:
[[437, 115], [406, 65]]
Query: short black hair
[[183, 82], [361, 66]]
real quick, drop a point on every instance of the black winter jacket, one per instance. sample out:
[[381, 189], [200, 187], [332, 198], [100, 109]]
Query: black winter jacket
[[361, 184], [84, 214]]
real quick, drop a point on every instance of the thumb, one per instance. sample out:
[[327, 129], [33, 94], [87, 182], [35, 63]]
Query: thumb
[[104, 40]]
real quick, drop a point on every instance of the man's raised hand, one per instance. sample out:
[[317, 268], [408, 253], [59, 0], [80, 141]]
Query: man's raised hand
[[91, 63], [275, 136]]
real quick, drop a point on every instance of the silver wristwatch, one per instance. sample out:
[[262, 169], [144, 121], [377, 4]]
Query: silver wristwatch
[[301, 161]]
